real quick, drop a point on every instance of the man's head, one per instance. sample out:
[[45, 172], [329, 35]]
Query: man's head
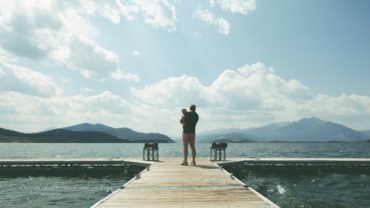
[[193, 108]]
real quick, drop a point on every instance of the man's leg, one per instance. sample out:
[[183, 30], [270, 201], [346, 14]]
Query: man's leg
[[185, 141], [192, 146]]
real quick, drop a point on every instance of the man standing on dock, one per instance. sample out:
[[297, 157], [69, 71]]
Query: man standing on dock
[[188, 134]]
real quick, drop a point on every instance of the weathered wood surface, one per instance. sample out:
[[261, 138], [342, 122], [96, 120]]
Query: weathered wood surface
[[168, 184]]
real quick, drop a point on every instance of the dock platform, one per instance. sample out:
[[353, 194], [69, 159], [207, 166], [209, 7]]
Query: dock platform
[[168, 184], [69, 163], [298, 162]]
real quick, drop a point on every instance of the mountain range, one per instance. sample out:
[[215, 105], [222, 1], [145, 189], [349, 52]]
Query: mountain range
[[121, 133], [367, 132], [84, 133], [305, 130]]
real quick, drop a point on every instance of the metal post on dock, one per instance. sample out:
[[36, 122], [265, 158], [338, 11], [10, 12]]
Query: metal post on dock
[[151, 151], [218, 151]]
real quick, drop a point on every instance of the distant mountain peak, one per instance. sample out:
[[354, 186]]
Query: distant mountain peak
[[87, 126], [310, 129], [122, 133], [311, 119], [101, 125]]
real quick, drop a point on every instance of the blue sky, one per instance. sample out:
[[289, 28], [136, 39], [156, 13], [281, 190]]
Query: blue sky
[[135, 64]]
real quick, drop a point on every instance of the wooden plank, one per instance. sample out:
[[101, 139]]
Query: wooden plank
[[168, 184]]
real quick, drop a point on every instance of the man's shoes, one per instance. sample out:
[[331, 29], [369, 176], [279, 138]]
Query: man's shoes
[[193, 163], [184, 163]]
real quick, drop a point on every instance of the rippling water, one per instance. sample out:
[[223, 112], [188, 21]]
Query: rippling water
[[56, 191], [309, 187], [72, 150], [351, 189]]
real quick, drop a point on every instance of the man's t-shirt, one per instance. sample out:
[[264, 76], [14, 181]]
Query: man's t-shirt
[[191, 119]]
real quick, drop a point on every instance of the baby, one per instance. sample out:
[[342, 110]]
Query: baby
[[182, 120]]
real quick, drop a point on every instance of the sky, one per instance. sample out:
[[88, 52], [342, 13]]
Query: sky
[[137, 63]]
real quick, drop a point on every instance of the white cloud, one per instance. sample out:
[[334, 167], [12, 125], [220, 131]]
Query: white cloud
[[93, 61], [158, 13], [40, 112], [57, 32], [119, 75], [19, 79], [108, 9], [176, 90], [231, 6], [74, 22], [343, 105], [235, 6], [207, 16], [30, 114], [24, 26], [250, 96], [250, 87]]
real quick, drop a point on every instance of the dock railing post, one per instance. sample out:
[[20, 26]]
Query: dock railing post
[[219, 153], [153, 154], [157, 158], [144, 151], [151, 151], [217, 150], [148, 153]]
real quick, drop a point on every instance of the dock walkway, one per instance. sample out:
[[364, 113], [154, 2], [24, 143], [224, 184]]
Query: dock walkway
[[168, 184]]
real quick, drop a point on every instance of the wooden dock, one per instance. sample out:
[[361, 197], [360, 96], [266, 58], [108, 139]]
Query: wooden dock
[[298, 162], [168, 184], [69, 163]]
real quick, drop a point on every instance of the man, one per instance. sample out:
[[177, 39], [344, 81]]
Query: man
[[188, 134]]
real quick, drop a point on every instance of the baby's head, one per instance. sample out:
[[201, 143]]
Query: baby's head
[[183, 111]]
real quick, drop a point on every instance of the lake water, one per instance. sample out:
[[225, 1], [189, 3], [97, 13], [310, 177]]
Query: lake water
[[313, 189]]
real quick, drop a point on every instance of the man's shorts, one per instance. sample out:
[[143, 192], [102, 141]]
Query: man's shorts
[[188, 138]]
